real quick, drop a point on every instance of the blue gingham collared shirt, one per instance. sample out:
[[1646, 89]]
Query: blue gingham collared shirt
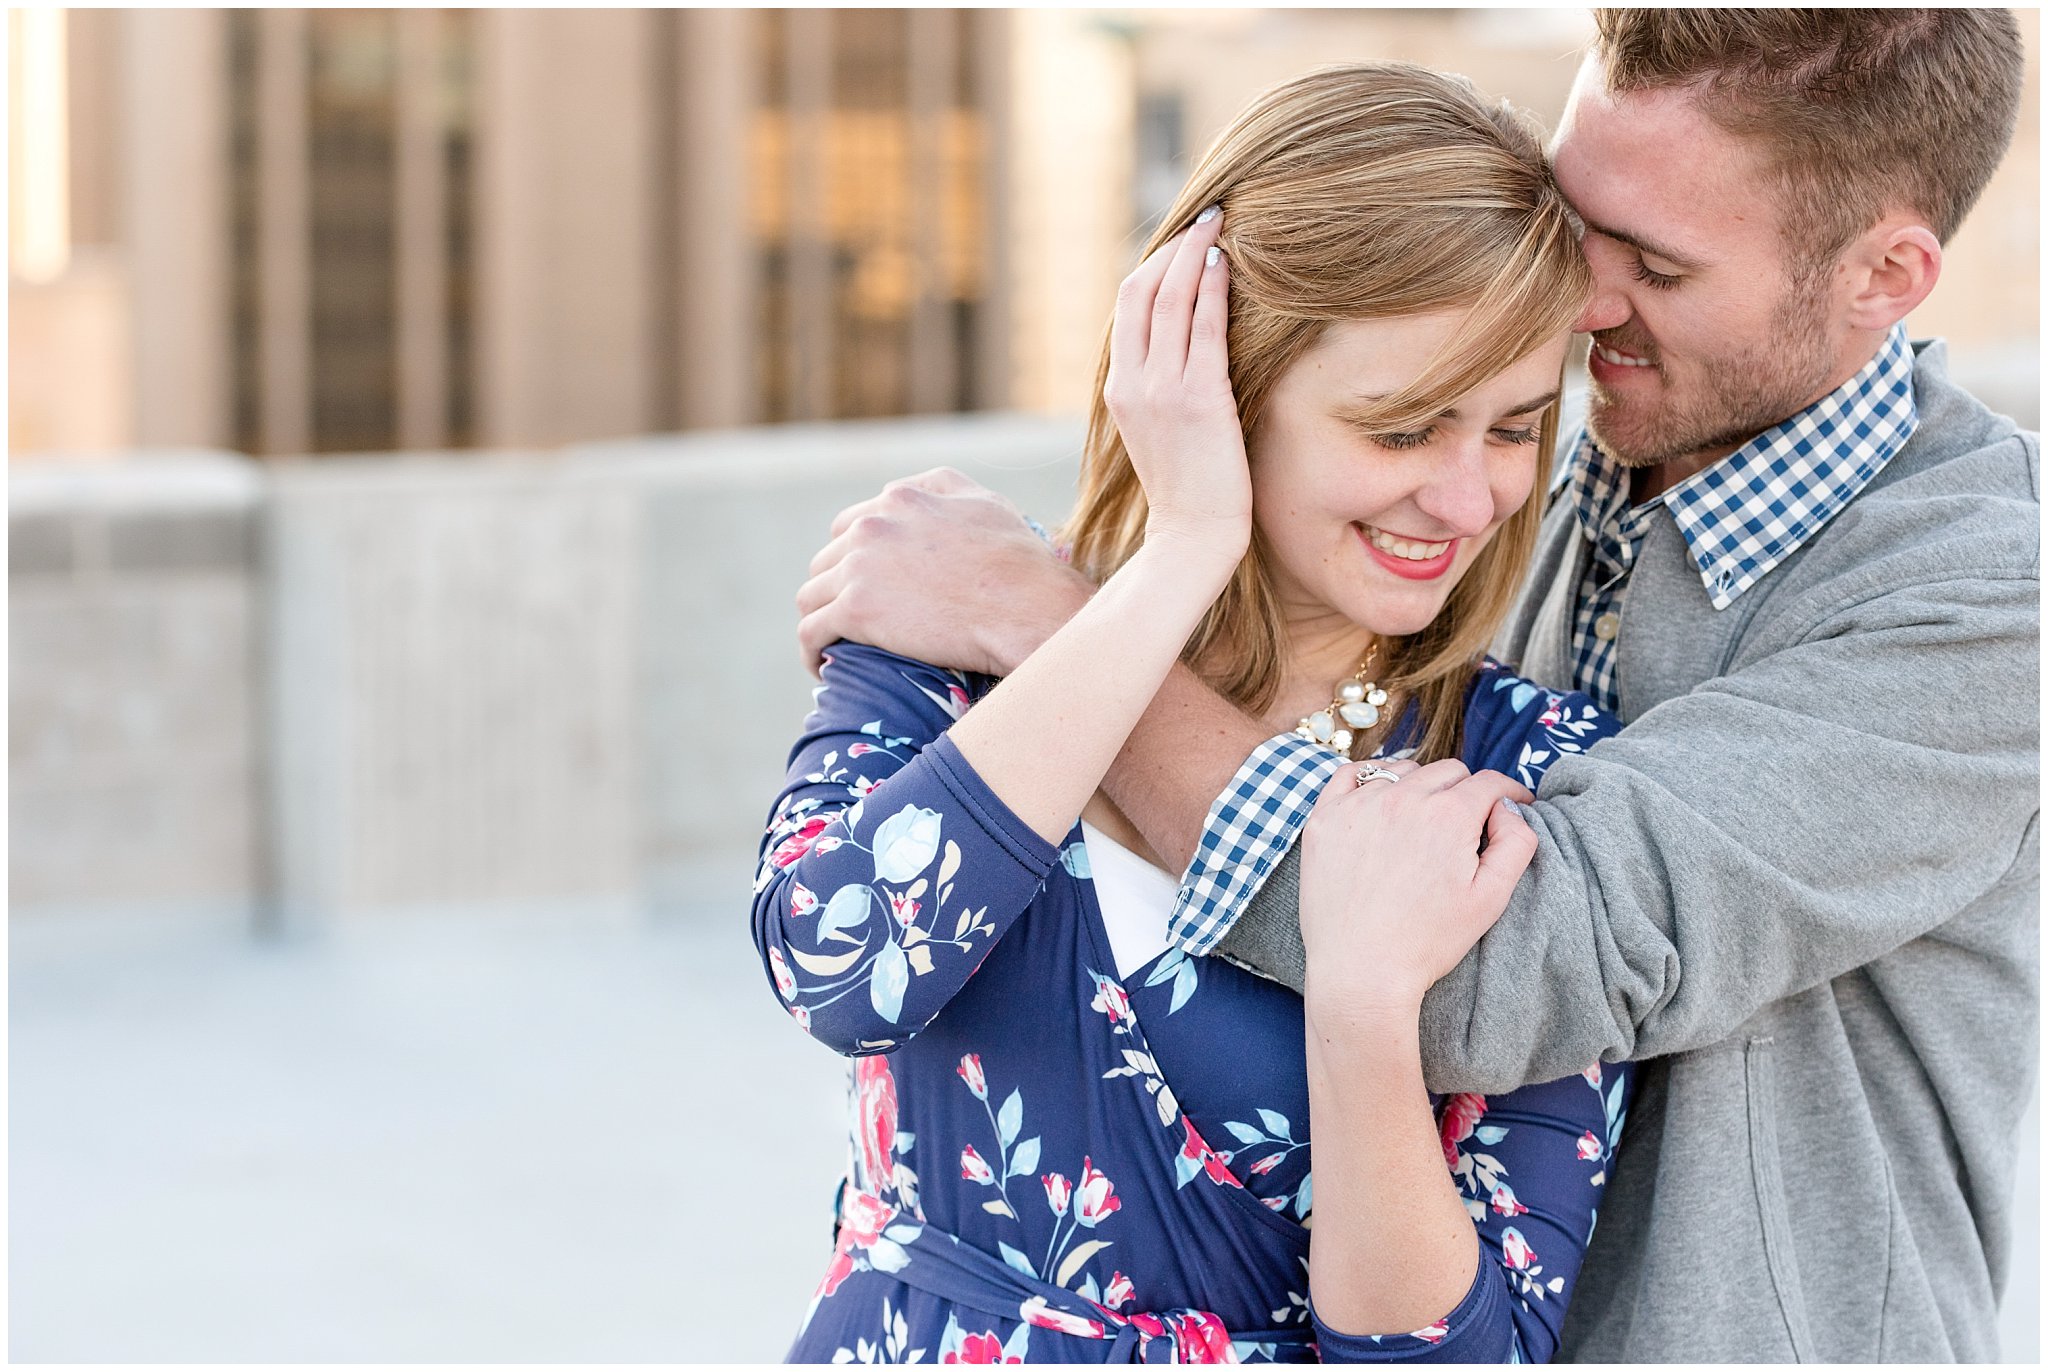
[[1741, 517], [1745, 514]]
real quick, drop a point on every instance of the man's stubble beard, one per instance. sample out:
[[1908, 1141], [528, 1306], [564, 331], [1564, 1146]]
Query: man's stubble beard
[[1736, 398]]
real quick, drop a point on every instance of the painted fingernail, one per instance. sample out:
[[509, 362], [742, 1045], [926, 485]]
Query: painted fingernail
[[1206, 215], [1213, 256]]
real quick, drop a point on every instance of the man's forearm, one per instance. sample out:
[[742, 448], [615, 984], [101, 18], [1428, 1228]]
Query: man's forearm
[[1183, 753], [1267, 937]]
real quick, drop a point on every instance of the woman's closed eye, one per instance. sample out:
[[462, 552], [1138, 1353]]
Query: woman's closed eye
[[1401, 442]]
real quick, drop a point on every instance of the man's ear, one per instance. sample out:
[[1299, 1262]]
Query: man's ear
[[1891, 268]]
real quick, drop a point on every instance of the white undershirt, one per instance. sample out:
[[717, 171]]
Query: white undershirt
[[1136, 899]]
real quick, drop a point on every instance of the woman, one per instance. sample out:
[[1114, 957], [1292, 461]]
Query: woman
[[1071, 1143]]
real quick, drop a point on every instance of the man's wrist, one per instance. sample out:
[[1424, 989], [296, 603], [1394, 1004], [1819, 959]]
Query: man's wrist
[[1007, 643]]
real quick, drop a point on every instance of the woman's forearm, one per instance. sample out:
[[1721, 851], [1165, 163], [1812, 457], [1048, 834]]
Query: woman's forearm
[[1392, 1249], [1044, 737]]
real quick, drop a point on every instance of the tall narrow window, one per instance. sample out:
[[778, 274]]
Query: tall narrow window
[[869, 206]]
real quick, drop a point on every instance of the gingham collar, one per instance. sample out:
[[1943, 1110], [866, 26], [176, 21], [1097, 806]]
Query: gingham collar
[[1754, 508]]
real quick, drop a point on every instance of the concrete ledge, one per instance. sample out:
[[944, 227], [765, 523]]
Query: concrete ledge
[[40, 545], [343, 687], [1013, 450], [138, 513], [451, 707], [156, 479], [729, 525], [132, 685]]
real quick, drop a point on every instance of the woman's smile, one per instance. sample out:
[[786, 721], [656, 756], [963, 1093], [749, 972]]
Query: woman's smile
[[1405, 557]]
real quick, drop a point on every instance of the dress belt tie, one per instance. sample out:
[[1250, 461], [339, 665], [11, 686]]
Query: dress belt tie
[[876, 1235]]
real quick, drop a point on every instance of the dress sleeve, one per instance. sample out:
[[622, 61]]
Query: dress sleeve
[[1530, 1165], [1520, 729], [888, 869]]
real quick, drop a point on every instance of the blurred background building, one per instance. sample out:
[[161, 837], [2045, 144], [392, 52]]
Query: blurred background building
[[418, 423], [293, 231]]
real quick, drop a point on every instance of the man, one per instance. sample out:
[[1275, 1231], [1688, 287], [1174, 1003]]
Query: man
[[1804, 567]]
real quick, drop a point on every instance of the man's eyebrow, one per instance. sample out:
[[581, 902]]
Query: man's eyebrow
[[1359, 404], [1643, 245]]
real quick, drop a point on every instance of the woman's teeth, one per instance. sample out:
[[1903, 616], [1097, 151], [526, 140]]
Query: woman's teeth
[[1610, 356], [1401, 547]]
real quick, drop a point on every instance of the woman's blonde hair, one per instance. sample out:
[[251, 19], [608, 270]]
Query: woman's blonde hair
[[1364, 191]]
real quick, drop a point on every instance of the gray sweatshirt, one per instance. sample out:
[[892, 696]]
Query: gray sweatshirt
[[1805, 881]]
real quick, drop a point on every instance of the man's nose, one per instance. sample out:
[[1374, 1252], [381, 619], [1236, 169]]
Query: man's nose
[[1607, 309]]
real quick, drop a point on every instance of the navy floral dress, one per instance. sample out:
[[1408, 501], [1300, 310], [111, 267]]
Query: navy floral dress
[[1052, 1163]]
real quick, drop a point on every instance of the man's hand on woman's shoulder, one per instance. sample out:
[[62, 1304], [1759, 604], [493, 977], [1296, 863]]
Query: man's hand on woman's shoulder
[[940, 569]]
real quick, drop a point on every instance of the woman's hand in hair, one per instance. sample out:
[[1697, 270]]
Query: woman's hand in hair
[[1168, 390], [1394, 887]]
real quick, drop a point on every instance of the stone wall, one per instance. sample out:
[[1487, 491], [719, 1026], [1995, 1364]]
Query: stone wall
[[132, 688], [317, 690], [728, 527], [451, 704]]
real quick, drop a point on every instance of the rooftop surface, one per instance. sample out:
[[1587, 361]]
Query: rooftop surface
[[563, 1135]]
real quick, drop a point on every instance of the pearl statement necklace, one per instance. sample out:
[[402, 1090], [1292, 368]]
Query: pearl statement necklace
[[1355, 706]]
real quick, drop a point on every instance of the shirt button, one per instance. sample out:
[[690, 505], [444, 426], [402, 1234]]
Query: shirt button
[[1607, 626]]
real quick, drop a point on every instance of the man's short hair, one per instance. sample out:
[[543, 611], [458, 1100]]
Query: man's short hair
[[1862, 111]]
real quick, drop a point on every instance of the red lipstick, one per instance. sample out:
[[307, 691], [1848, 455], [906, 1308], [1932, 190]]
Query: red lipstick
[[1408, 569]]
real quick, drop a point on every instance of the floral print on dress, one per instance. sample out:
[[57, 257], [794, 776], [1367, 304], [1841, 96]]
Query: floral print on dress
[[1268, 1145], [1568, 723], [1074, 1205], [878, 1143], [1481, 1164], [1049, 1162]]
